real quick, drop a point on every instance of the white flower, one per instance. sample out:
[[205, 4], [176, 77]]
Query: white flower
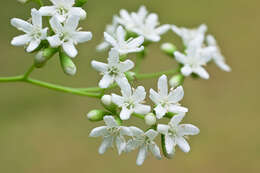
[[217, 56], [34, 33], [195, 58], [143, 24], [62, 9], [114, 71], [167, 102], [111, 30], [130, 101], [189, 35], [144, 141], [67, 35], [175, 134], [111, 133], [122, 46]]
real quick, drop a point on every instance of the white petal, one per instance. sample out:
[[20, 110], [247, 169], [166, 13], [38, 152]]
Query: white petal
[[125, 131], [103, 46], [70, 49], [176, 95], [141, 156], [99, 66], [142, 109], [139, 94], [106, 81], [151, 134], [47, 10], [169, 145], [181, 58], [120, 34], [152, 20], [21, 40], [160, 111], [201, 72], [33, 45], [111, 40], [110, 121], [163, 86], [78, 12], [56, 25], [126, 66], [120, 144], [107, 142], [136, 42], [183, 144], [162, 29], [136, 131], [162, 128], [133, 144], [177, 119], [155, 150], [54, 41], [223, 66], [81, 37], [118, 100], [142, 12], [125, 113], [36, 18], [188, 129], [186, 70], [125, 88], [22, 25], [113, 57], [155, 97], [72, 23], [99, 131], [177, 109]]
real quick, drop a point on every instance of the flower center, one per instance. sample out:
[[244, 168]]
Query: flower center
[[113, 71]]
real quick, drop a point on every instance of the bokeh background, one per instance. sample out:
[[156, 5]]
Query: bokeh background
[[45, 131]]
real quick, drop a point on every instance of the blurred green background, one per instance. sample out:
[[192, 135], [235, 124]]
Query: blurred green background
[[45, 131]]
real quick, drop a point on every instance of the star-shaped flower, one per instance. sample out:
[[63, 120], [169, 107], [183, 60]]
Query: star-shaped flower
[[124, 46], [34, 33], [217, 56], [131, 101], [67, 35], [144, 141], [195, 58], [62, 9], [188, 35], [143, 24], [167, 102], [114, 71], [111, 133], [175, 134]]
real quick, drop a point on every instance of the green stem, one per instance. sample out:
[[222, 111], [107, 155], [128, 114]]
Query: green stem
[[156, 75], [11, 79], [138, 115], [29, 71]]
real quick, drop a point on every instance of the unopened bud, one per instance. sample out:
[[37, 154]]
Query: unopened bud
[[96, 115], [150, 119], [67, 64], [23, 1], [130, 75], [176, 80], [106, 100], [168, 48], [80, 3], [43, 56]]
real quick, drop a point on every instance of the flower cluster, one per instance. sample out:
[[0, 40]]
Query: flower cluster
[[129, 33]]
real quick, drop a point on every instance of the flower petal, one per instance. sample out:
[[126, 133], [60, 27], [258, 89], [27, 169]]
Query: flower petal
[[54, 41], [47, 10], [33, 45], [186, 70], [177, 109], [120, 144], [142, 109], [125, 113], [106, 81], [21, 25], [139, 94], [141, 156], [155, 97], [81, 37], [113, 57], [177, 119], [99, 66], [99, 131], [126, 65], [163, 86], [160, 111], [136, 42], [151, 134], [70, 49], [120, 34], [21, 40], [170, 144], [136, 131], [155, 150], [107, 142], [181, 58], [111, 40], [162, 128], [188, 129], [56, 25], [201, 72], [183, 144], [118, 100], [72, 23], [176, 95], [162, 29], [78, 12], [110, 121]]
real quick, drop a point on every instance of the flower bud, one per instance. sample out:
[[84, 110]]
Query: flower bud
[[43, 56], [176, 80], [96, 115], [23, 1], [106, 100], [150, 119], [80, 3], [130, 75], [168, 48], [67, 64]]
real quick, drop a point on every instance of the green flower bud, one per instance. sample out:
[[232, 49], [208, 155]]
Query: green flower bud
[[43, 56], [168, 48], [96, 115], [67, 64], [106, 100], [80, 3], [130, 75], [176, 80], [150, 119]]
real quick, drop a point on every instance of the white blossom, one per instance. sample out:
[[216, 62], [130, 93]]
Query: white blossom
[[111, 133], [217, 56], [167, 101], [34, 33], [124, 47], [195, 58], [62, 9], [144, 141], [131, 101], [67, 35], [114, 71], [175, 134], [188, 35], [143, 24]]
